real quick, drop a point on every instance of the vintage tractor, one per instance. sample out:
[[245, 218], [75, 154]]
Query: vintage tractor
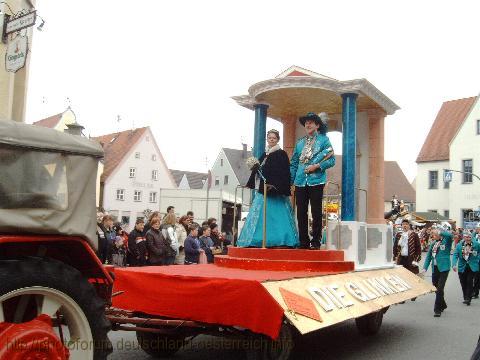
[[53, 288]]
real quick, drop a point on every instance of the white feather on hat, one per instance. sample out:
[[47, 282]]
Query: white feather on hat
[[324, 117]]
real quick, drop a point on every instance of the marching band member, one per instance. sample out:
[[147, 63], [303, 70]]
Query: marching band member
[[439, 255], [466, 254], [406, 248]]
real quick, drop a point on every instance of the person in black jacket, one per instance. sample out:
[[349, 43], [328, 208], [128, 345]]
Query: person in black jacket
[[159, 248], [137, 245], [274, 168]]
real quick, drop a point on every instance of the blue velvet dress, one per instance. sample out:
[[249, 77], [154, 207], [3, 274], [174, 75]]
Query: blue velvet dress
[[281, 226]]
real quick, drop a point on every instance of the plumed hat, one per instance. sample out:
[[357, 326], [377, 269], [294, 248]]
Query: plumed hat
[[310, 116], [319, 119]]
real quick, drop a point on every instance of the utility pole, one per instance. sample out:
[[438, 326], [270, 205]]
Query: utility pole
[[208, 187]]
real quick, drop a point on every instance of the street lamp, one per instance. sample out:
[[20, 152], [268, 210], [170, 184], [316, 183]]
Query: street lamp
[[463, 172]]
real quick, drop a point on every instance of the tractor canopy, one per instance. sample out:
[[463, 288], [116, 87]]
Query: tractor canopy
[[47, 182]]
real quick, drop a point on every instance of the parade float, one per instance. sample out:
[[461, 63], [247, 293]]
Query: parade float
[[53, 288], [270, 296]]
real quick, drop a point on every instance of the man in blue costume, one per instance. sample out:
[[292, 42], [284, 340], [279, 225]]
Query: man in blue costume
[[312, 156], [466, 254], [439, 256]]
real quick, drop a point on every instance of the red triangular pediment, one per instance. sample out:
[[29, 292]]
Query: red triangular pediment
[[297, 73]]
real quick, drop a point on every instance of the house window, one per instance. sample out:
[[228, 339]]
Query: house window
[[147, 138], [467, 166], [446, 213], [225, 180], [154, 174], [217, 181], [137, 155], [478, 127], [221, 162], [446, 184], [433, 179], [153, 197], [154, 157], [137, 195], [132, 172], [125, 217], [433, 211], [121, 194]]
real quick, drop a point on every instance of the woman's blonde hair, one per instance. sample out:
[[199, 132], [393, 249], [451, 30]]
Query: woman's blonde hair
[[170, 219]]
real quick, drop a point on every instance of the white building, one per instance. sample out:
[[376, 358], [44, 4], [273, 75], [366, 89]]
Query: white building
[[220, 205], [134, 173], [230, 170], [396, 183], [452, 143]]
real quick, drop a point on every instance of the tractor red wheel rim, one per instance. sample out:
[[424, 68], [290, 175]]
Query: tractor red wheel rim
[[33, 340]]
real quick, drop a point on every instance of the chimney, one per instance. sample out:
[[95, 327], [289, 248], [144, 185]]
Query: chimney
[[244, 151], [74, 129]]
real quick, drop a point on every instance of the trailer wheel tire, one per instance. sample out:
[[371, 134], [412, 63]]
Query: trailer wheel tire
[[160, 345], [63, 290], [264, 348], [370, 324]]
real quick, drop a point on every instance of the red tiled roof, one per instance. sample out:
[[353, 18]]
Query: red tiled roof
[[116, 146], [49, 122], [446, 124], [395, 181]]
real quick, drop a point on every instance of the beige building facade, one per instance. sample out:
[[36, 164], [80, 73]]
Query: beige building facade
[[13, 86], [452, 144]]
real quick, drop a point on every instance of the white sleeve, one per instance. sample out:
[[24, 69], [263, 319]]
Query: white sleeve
[[173, 238]]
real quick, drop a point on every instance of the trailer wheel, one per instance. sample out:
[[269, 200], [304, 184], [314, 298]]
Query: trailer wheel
[[370, 324], [35, 286], [263, 348], [160, 345]]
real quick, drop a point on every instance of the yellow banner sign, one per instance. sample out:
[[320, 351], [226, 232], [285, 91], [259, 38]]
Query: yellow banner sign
[[332, 207], [347, 296]]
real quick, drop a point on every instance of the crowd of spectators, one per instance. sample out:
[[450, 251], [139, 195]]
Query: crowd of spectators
[[170, 240]]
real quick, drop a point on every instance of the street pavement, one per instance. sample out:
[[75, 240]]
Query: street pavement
[[409, 331]]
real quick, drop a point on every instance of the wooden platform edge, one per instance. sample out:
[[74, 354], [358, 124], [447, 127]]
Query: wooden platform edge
[[341, 297]]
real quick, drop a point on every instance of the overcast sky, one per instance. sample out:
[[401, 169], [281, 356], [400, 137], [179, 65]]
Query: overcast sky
[[173, 65]]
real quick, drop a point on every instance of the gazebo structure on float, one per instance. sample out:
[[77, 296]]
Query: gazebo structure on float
[[358, 110]]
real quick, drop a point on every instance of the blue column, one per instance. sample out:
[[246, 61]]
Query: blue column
[[260, 130], [349, 156]]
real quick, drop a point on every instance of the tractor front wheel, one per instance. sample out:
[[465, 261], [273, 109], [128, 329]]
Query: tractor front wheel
[[56, 294]]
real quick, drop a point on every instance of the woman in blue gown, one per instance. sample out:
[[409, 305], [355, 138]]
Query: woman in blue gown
[[274, 166]]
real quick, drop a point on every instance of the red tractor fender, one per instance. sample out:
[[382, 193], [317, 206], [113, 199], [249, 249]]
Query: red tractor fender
[[71, 250]]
